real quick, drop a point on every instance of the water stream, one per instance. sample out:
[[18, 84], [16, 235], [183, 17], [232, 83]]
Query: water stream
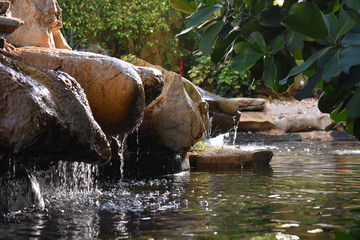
[[307, 193]]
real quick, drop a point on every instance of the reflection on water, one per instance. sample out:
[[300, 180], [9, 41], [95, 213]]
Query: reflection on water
[[309, 186]]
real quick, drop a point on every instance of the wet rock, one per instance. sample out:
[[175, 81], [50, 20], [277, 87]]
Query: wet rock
[[45, 116], [112, 86], [41, 24], [228, 158], [176, 119]]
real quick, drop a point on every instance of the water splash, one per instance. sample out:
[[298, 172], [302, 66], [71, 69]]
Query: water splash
[[236, 120], [36, 191]]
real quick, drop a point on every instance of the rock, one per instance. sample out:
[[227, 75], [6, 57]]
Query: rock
[[228, 158], [5, 8], [255, 121], [232, 105], [9, 24], [112, 86], [223, 123], [153, 81], [44, 116], [177, 119], [42, 24], [299, 116], [95, 48]]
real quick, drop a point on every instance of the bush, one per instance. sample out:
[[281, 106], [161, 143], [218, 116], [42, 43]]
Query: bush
[[222, 79]]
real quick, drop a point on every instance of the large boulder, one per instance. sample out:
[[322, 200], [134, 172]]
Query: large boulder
[[112, 86], [176, 119], [41, 24], [45, 115]]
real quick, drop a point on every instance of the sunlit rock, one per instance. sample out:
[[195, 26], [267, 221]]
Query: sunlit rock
[[113, 87], [41, 24], [8, 24], [228, 158], [44, 115], [255, 121], [176, 119]]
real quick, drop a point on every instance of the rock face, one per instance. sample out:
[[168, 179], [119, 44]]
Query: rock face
[[45, 115], [41, 24], [113, 87], [176, 119]]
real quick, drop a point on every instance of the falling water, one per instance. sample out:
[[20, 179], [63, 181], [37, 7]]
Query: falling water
[[236, 119], [120, 141], [36, 191]]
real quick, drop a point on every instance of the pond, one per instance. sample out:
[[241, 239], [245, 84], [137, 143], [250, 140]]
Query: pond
[[307, 193]]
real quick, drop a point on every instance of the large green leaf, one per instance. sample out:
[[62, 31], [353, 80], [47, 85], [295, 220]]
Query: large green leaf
[[257, 41], [353, 9], [277, 44], [353, 105], [240, 47], [346, 23], [306, 18], [184, 5], [222, 47], [198, 17], [269, 74], [310, 86], [294, 41], [243, 62], [271, 17], [349, 57], [332, 67], [351, 39], [338, 115], [298, 69], [208, 39], [332, 24]]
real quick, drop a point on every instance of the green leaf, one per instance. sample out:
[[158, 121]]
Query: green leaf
[[310, 86], [294, 41], [298, 69], [208, 39], [349, 57], [222, 47], [332, 67], [306, 18], [271, 17], [338, 115], [277, 44], [198, 17], [184, 5], [351, 39], [346, 23], [353, 9], [353, 105], [240, 47], [333, 25], [243, 62], [257, 41], [250, 27], [269, 74]]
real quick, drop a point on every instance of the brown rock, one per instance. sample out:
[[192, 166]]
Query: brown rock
[[232, 105], [42, 24], [228, 158], [176, 119], [45, 115], [5, 8], [255, 121], [9, 24], [112, 86], [153, 81]]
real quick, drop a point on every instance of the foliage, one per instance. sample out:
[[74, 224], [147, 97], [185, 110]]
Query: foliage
[[200, 146], [121, 27], [73, 39], [317, 38], [227, 82]]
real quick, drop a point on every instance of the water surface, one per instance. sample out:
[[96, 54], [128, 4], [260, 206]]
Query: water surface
[[305, 194]]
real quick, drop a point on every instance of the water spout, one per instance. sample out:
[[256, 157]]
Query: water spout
[[236, 123]]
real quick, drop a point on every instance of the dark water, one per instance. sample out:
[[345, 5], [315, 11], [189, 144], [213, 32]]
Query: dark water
[[309, 191]]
